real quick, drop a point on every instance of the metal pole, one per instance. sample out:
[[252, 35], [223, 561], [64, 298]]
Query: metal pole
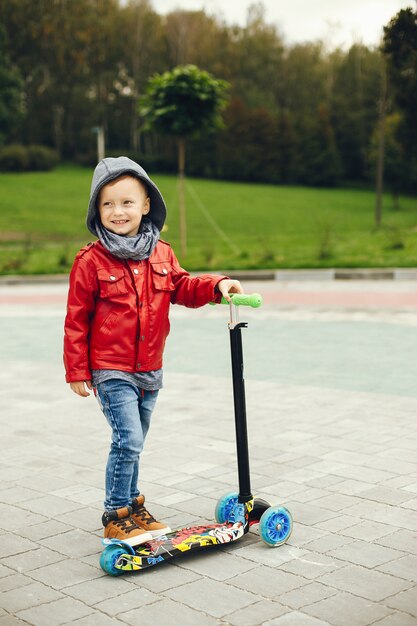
[[239, 405], [101, 153]]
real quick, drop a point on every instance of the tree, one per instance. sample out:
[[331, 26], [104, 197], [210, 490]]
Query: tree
[[10, 93], [184, 102], [400, 49]]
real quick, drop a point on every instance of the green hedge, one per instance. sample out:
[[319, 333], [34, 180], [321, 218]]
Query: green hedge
[[18, 158]]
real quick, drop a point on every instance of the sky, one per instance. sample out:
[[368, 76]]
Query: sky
[[336, 22]]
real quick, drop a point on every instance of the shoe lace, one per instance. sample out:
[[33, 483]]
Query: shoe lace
[[126, 524], [145, 515]]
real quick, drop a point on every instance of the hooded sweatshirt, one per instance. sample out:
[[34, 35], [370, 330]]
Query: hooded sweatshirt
[[138, 247]]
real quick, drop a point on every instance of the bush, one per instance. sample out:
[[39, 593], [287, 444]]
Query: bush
[[42, 158], [14, 158], [18, 158]]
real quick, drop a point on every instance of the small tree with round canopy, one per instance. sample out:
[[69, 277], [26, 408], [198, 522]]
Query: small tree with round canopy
[[184, 102]]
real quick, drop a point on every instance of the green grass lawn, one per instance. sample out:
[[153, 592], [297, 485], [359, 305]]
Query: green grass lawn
[[42, 224]]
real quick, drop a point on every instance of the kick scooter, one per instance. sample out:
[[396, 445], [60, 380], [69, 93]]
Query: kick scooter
[[235, 512]]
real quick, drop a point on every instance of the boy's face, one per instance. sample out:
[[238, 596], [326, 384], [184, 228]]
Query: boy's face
[[121, 205]]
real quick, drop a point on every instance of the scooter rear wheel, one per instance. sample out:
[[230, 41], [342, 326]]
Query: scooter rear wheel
[[225, 506], [109, 558], [275, 525]]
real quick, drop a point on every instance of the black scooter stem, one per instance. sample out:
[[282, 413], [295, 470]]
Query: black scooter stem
[[240, 410]]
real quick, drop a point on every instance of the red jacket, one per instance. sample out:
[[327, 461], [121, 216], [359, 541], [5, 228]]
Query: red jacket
[[117, 311]]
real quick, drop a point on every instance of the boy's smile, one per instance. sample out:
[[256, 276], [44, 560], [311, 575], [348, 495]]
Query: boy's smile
[[121, 204]]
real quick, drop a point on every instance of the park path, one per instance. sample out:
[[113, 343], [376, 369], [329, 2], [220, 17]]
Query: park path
[[331, 376]]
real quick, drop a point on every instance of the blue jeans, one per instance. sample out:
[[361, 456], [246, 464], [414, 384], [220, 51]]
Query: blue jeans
[[128, 410]]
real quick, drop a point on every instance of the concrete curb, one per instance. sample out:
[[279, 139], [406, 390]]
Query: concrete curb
[[406, 273]]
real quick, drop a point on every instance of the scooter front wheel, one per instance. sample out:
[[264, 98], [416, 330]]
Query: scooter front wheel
[[275, 525], [225, 506]]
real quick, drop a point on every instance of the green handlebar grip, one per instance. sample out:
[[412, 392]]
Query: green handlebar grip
[[244, 299]]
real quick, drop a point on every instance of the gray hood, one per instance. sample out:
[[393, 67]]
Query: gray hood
[[110, 168]]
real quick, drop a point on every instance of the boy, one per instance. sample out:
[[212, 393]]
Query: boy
[[121, 287]]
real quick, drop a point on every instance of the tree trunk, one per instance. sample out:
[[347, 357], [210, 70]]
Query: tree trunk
[[181, 194], [382, 105]]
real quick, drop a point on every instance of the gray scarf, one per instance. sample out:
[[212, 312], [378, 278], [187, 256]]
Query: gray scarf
[[138, 247]]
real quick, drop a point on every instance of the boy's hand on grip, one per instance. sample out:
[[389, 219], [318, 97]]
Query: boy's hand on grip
[[227, 286], [79, 387]]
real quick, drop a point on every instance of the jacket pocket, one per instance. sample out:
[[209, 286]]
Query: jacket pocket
[[112, 282], [162, 276]]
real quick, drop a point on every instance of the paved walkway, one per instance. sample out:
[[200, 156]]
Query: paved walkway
[[332, 398]]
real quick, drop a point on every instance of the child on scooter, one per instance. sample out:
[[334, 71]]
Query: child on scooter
[[121, 287]]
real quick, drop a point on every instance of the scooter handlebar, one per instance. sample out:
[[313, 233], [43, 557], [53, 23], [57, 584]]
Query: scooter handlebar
[[243, 299]]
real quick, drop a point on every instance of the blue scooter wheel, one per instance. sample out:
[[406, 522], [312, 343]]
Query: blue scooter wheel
[[109, 558], [225, 506], [275, 525]]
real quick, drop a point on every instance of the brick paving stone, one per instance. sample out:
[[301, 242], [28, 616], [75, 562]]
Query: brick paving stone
[[55, 613], [343, 609], [73, 543], [11, 544], [367, 531], [218, 565], [338, 524], [405, 540], [405, 601], [86, 518], [262, 554], [4, 571], [212, 597], [14, 581], [10, 620], [365, 553], [168, 613], [283, 488], [311, 493], [397, 619], [43, 530], [96, 619], [312, 566], [32, 559], [368, 584], [387, 495], [405, 567], [302, 534], [352, 487], [309, 513], [124, 602], [25, 597], [267, 582], [256, 614], [412, 487], [13, 518], [327, 543], [410, 504], [65, 572], [305, 595], [92, 592], [337, 502], [164, 576], [357, 472], [295, 619], [49, 505], [16, 493], [390, 515]]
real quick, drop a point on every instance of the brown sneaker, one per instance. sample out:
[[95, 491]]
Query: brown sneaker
[[145, 520], [118, 524]]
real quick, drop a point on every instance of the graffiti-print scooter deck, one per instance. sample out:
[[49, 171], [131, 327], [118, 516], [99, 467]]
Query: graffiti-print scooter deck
[[127, 558]]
